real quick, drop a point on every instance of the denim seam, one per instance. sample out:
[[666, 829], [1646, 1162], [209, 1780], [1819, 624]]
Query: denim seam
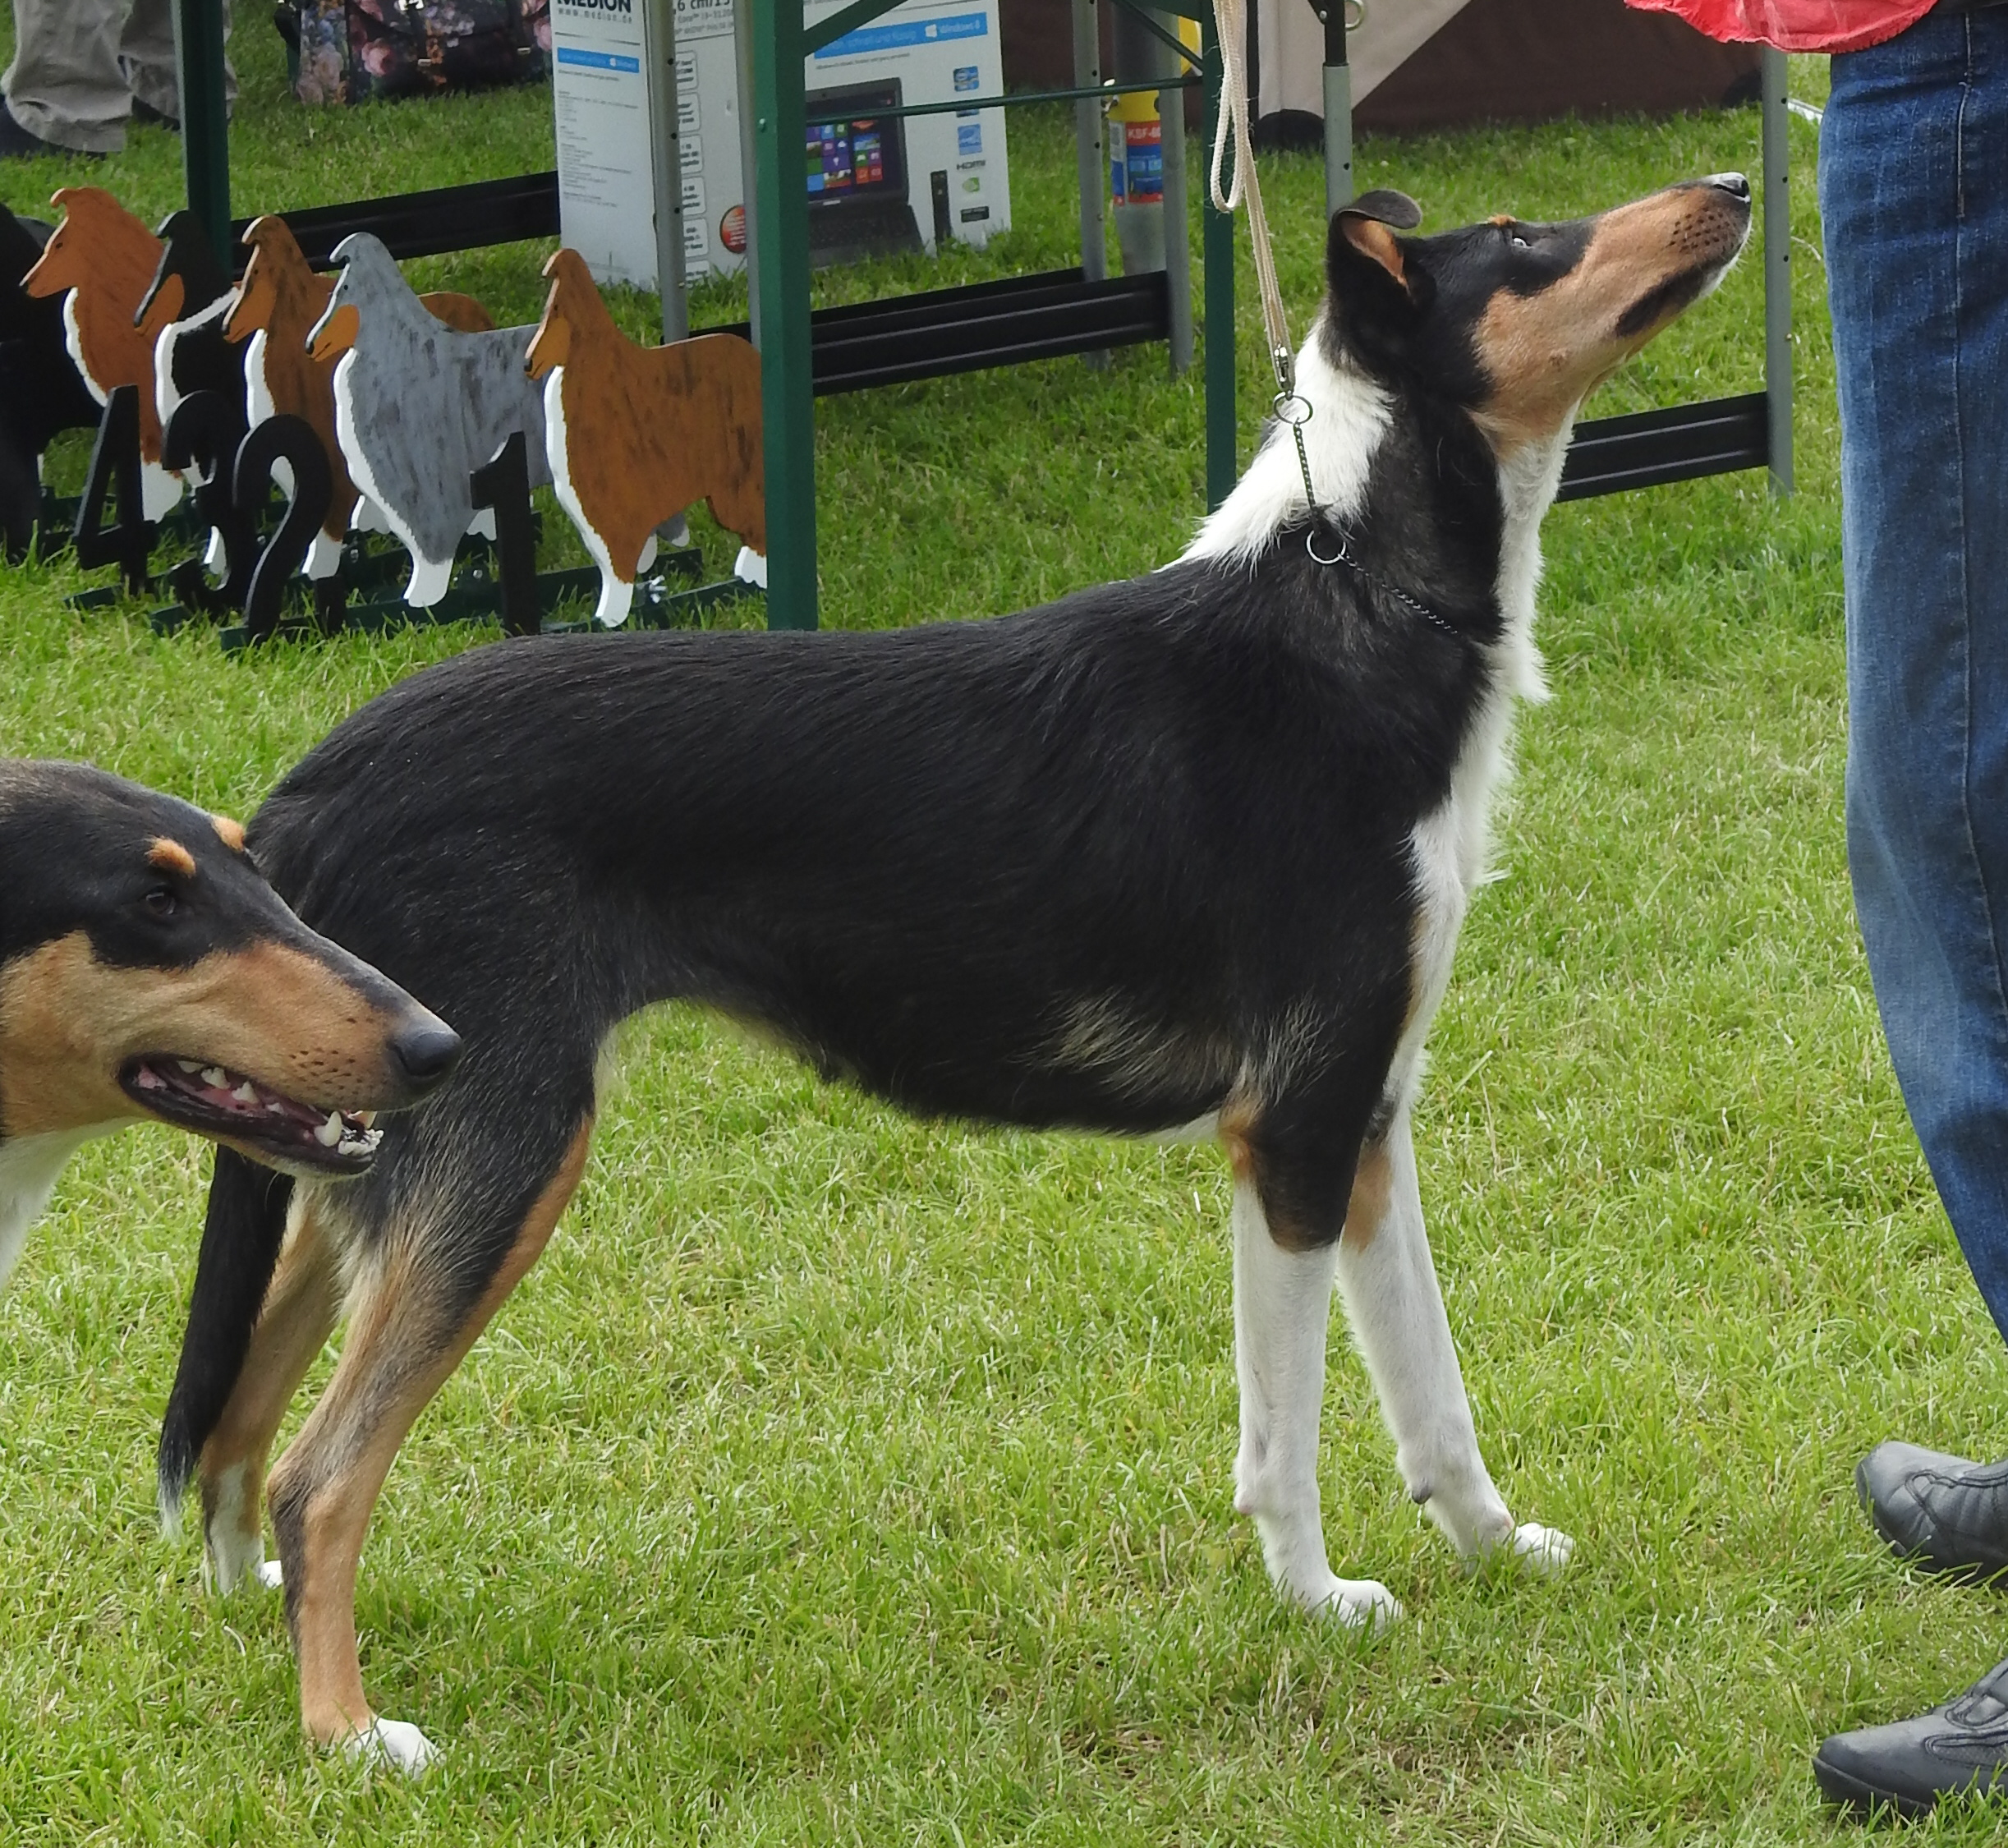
[[1987, 908]]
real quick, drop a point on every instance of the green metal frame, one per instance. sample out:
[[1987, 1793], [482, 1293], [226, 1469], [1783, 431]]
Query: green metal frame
[[206, 125], [781, 41]]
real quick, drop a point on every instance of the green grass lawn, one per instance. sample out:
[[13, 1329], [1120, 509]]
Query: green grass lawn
[[835, 1478]]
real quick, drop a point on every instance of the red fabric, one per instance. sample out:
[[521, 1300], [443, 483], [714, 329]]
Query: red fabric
[[1795, 25]]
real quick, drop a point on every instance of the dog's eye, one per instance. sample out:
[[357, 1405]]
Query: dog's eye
[[163, 901], [1518, 239]]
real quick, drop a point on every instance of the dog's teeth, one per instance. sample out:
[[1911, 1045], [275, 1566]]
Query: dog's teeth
[[247, 1093], [273, 1107], [365, 1118], [190, 1065], [148, 1079], [330, 1132], [215, 1075]]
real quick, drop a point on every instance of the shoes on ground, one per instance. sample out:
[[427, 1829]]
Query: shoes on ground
[[17, 144], [1942, 1513], [1909, 1768]]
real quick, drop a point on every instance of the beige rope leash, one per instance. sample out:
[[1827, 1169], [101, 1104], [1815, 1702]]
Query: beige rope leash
[[1289, 405]]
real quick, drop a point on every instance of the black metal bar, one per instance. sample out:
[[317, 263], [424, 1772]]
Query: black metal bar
[[415, 224], [943, 332], [1647, 448]]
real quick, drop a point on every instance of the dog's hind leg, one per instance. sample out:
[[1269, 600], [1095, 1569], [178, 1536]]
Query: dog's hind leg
[[1282, 1311], [1388, 1285], [410, 1323], [299, 1313]]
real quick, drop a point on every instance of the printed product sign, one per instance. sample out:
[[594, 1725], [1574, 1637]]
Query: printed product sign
[[600, 93], [877, 182]]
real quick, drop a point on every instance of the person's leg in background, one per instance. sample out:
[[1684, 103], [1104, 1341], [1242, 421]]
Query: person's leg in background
[[1912, 151], [82, 67], [146, 49], [65, 87]]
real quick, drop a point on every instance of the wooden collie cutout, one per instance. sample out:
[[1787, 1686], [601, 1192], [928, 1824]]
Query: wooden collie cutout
[[637, 434], [41, 390], [278, 302], [419, 407], [106, 259], [191, 355]]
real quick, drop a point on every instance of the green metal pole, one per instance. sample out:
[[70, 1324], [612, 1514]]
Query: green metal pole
[[1218, 251], [205, 122], [780, 197]]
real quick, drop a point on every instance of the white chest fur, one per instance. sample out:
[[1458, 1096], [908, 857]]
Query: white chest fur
[[1350, 419], [29, 1167]]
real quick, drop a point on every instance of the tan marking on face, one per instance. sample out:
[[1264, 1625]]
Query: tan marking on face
[[69, 1022], [230, 833], [399, 1353], [1372, 1182], [1544, 353], [170, 855]]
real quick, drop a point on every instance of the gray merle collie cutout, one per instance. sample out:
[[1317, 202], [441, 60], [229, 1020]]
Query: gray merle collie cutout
[[1187, 855]]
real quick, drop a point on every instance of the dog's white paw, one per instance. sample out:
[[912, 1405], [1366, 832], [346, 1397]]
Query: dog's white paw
[[395, 1743], [270, 1575], [1542, 1549], [1359, 1604]]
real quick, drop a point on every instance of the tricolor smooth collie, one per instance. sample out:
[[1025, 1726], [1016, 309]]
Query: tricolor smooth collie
[[1185, 854], [147, 970]]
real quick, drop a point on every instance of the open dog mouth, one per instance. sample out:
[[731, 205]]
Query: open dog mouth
[[214, 1101]]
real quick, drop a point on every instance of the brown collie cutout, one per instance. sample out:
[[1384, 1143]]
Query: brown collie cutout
[[646, 431], [107, 258], [283, 296]]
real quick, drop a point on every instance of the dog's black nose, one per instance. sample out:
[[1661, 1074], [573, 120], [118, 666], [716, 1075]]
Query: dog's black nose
[[427, 1052], [1733, 184]]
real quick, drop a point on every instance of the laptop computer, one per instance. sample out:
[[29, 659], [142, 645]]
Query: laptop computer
[[857, 175]]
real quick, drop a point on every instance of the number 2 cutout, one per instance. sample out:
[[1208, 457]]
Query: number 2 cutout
[[290, 440]]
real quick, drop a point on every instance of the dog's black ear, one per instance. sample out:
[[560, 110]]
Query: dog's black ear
[[1365, 228]]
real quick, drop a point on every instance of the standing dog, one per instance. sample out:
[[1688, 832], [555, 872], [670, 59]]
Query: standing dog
[[148, 971], [1185, 853], [637, 434]]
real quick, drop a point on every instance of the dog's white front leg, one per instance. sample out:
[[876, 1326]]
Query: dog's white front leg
[[1389, 1285], [1282, 1309]]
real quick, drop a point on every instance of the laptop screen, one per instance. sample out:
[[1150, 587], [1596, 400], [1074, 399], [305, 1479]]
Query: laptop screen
[[853, 154]]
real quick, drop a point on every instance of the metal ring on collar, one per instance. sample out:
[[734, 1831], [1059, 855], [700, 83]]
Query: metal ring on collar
[[1292, 408], [1311, 545]]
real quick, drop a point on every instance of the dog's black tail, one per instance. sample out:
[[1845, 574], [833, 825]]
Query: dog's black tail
[[241, 1241]]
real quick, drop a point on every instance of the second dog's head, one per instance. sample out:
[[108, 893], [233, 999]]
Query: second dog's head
[[1517, 323], [148, 970]]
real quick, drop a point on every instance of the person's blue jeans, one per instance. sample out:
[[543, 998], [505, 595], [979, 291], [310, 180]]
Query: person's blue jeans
[[1913, 196]]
